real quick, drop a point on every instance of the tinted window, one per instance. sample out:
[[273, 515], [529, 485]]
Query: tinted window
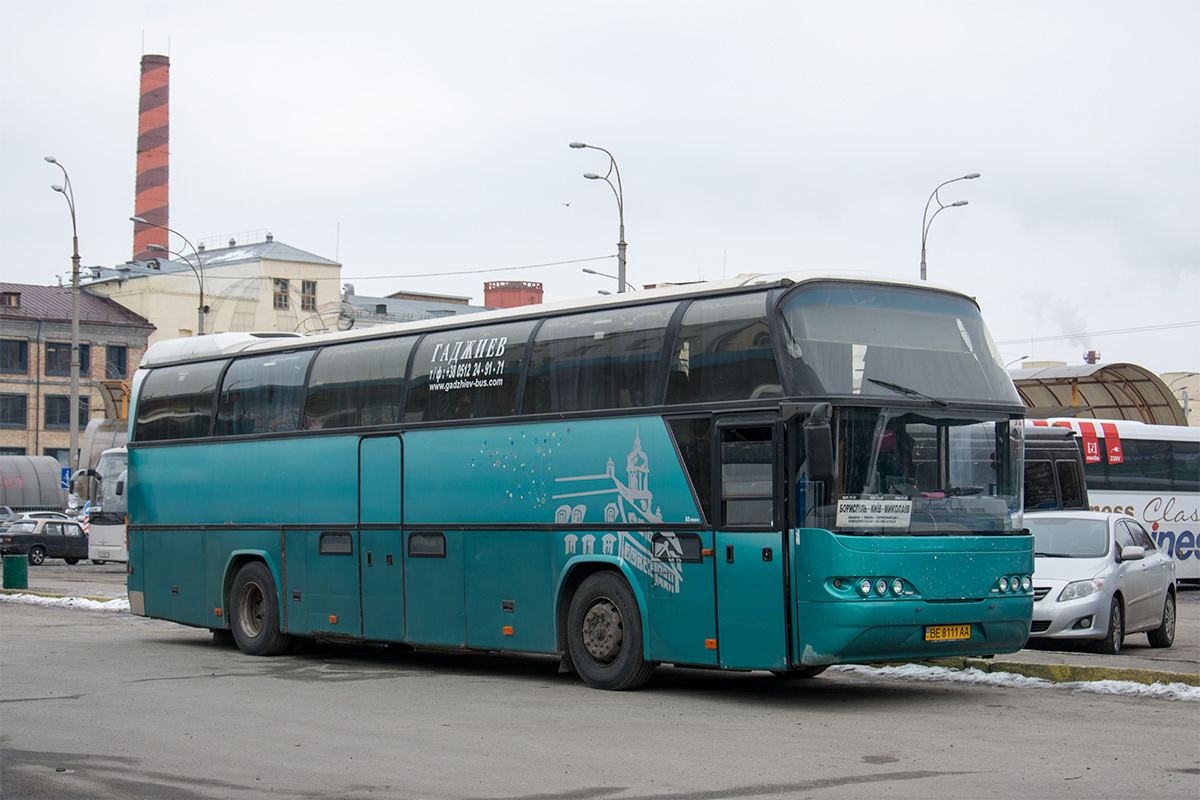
[[469, 373], [1039, 485], [1148, 466], [605, 359], [694, 443], [747, 484], [838, 337], [358, 383], [262, 394], [1070, 484], [723, 352], [677, 548], [427, 545], [177, 402]]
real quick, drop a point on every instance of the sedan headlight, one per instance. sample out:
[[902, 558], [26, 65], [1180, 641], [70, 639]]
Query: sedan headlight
[[1078, 589]]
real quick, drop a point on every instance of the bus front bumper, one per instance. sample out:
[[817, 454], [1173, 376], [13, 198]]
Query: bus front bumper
[[865, 632]]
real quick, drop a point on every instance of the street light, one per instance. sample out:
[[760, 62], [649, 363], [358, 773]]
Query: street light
[[591, 176], [1186, 411], [606, 275], [201, 309], [926, 225], [1014, 361], [73, 413]]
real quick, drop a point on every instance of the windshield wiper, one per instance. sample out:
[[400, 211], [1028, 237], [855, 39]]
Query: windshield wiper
[[895, 387]]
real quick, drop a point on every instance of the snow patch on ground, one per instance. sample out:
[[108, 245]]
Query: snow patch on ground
[[918, 672], [116, 605]]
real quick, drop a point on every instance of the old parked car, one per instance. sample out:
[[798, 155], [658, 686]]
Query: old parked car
[[40, 539], [1099, 577]]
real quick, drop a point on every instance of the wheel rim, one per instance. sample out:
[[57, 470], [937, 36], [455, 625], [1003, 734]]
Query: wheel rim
[[603, 630], [1169, 619], [251, 610], [37, 555], [1117, 626]]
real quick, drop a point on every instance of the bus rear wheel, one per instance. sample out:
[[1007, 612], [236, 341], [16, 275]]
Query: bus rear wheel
[[604, 634], [254, 612]]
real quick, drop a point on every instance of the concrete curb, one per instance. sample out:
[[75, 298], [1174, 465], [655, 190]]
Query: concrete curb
[[1061, 673]]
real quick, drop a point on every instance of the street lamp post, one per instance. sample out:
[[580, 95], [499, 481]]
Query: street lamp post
[[201, 309], [73, 412], [1186, 411], [606, 275], [927, 220], [591, 176]]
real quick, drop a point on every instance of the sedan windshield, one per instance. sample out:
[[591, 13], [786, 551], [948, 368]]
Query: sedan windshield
[[1057, 537]]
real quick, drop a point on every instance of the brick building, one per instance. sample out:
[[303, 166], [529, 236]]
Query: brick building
[[35, 364]]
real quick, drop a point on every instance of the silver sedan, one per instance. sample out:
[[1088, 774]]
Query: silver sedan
[[1099, 577]]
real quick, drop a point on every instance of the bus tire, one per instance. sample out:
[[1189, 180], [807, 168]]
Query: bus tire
[[1110, 645], [604, 634], [254, 612], [1164, 634], [97, 562], [37, 554]]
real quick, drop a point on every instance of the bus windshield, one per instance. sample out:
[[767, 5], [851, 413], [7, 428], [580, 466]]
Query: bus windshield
[[904, 472], [851, 339], [111, 494]]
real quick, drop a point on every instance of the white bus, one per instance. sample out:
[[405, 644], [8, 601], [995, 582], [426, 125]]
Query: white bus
[[1149, 472], [106, 521]]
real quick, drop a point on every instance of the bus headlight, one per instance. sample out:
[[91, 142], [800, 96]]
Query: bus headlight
[[1004, 584], [881, 586], [897, 587], [864, 587]]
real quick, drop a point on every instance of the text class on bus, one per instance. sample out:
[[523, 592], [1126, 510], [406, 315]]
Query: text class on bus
[[1148, 472], [771, 473]]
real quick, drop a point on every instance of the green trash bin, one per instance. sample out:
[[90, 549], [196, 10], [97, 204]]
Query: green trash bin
[[16, 572]]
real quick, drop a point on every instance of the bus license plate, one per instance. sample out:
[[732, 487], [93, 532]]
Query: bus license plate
[[947, 633]]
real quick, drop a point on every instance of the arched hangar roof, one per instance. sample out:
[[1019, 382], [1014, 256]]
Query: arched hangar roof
[[1098, 391]]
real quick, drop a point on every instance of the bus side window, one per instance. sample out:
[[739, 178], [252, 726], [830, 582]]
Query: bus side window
[[747, 482], [1039, 485], [723, 352], [1070, 485]]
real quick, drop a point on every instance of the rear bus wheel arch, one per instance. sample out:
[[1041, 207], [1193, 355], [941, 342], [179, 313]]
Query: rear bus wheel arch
[[254, 611]]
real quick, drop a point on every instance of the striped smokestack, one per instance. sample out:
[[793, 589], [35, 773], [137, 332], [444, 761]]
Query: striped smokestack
[[152, 155]]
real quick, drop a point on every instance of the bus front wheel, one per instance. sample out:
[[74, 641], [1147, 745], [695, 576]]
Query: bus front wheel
[[604, 634], [254, 612]]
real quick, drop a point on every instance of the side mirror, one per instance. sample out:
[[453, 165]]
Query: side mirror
[[120, 488], [818, 444], [1133, 552]]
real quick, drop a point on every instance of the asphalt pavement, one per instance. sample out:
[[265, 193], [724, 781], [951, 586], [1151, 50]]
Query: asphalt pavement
[[1137, 661]]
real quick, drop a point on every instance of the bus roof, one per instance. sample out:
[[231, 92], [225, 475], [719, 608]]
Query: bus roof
[[222, 344]]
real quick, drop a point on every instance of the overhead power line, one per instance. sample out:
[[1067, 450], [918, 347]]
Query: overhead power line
[[476, 271], [1086, 334]]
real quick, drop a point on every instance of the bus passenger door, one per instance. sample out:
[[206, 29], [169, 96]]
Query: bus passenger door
[[381, 550], [750, 550]]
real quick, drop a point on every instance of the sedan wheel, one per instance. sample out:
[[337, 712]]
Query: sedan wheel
[[37, 555], [1111, 644], [1164, 635]]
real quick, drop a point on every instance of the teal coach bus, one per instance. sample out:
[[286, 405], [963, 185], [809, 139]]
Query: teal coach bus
[[772, 473]]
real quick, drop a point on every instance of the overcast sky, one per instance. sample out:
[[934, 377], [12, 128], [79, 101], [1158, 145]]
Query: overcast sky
[[416, 138]]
